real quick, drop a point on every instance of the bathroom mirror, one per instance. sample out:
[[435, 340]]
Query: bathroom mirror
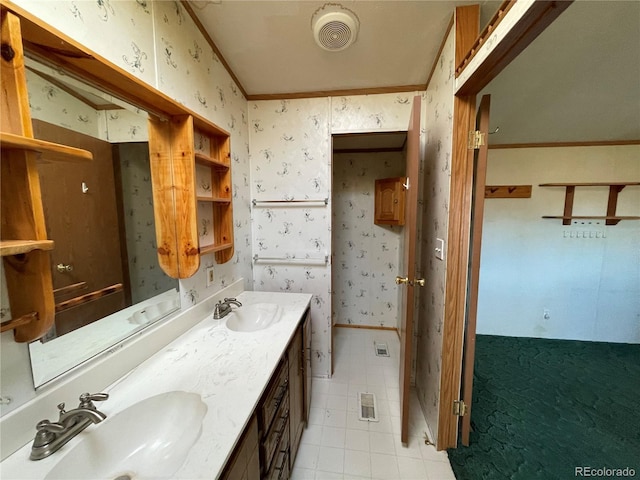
[[106, 278]]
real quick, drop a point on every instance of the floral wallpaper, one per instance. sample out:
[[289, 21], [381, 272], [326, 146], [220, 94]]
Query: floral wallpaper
[[291, 161], [158, 43], [436, 147], [366, 257]]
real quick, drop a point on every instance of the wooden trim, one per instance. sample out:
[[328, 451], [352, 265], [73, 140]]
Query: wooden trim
[[456, 272], [599, 143], [89, 297], [480, 178], [442, 44], [458, 243], [364, 327], [464, 59], [187, 6], [538, 17], [467, 26], [74, 287], [338, 93]]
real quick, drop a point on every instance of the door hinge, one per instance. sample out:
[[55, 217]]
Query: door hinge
[[459, 408], [476, 139]]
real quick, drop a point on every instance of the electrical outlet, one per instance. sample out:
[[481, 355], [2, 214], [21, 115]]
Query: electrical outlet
[[209, 276]]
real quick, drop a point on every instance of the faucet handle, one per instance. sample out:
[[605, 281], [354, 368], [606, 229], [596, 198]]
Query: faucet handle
[[230, 299], [47, 426], [87, 399]]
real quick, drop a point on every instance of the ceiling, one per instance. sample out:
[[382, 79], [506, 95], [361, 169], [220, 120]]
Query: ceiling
[[578, 81], [269, 45]]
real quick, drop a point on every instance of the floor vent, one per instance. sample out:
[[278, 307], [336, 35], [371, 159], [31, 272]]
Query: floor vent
[[381, 349], [367, 407]]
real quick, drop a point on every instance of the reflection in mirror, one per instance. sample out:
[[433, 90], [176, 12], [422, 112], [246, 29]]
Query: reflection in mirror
[[106, 278]]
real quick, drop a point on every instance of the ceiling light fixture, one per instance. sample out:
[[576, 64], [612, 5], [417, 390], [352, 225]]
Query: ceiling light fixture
[[334, 27]]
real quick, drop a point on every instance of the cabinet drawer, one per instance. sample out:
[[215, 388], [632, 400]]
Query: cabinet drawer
[[277, 435], [280, 464], [275, 395]]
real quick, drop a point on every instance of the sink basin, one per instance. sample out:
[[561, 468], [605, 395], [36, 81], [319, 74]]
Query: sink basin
[[148, 440], [250, 318]]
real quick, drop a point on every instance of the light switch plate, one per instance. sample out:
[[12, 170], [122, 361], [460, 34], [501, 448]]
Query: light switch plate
[[439, 248], [209, 276]]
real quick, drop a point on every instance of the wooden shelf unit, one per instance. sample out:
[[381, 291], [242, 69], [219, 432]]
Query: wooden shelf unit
[[177, 148], [24, 244], [610, 218], [213, 152]]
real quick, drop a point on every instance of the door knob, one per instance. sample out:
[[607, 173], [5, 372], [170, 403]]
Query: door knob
[[62, 268], [419, 282], [401, 280]]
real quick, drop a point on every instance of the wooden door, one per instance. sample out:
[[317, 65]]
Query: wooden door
[[84, 225], [407, 279], [477, 215]]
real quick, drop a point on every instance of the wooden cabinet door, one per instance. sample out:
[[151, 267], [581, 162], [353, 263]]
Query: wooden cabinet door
[[389, 201]]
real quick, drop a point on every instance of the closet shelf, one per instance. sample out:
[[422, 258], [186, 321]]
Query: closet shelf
[[17, 247], [51, 151]]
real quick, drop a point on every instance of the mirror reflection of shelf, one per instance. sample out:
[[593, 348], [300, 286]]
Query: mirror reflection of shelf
[[18, 247], [48, 150], [610, 218]]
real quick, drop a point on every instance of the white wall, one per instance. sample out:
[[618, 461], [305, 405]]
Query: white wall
[[366, 256], [291, 159], [158, 43], [590, 284]]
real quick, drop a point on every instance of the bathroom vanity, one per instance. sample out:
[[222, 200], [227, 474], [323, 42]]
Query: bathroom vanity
[[252, 385]]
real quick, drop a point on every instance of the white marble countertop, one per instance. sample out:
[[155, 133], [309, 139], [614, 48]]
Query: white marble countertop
[[230, 370]]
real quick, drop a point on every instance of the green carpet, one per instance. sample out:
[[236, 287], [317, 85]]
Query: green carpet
[[542, 407]]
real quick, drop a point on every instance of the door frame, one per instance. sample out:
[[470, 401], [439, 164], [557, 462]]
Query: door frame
[[524, 30]]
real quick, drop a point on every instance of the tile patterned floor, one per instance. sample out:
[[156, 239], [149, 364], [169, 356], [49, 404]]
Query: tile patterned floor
[[337, 445]]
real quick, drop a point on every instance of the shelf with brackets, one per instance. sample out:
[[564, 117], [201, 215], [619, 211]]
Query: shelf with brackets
[[610, 218]]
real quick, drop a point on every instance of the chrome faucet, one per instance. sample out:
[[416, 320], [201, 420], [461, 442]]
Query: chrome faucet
[[223, 308], [51, 436]]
